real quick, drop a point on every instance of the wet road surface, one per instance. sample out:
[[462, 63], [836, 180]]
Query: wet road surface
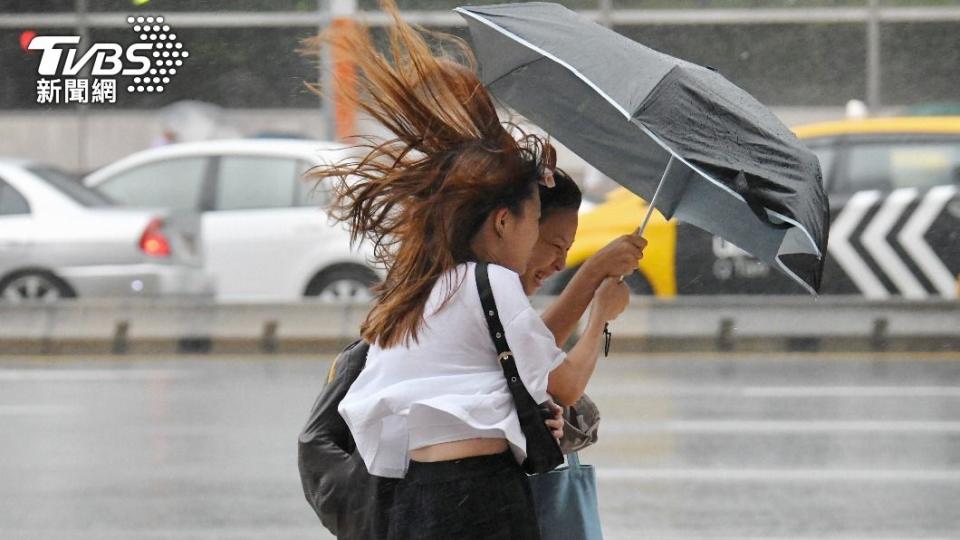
[[691, 446]]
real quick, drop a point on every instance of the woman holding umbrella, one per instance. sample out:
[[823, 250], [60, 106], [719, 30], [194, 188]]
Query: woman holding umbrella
[[452, 189], [355, 505]]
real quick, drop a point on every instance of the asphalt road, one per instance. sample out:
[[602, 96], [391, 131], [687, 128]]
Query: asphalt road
[[708, 446]]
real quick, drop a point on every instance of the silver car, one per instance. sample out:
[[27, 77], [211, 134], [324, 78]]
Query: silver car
[[60, 239], [266, 235]]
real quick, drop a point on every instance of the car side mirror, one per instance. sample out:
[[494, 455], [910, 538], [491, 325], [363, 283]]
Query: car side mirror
[[956, 175]]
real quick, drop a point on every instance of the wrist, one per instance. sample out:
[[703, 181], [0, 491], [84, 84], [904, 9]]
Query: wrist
[[593, 273], [596, 320]]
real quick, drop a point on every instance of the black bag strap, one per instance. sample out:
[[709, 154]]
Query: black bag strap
[[490, 312], [543, 451]]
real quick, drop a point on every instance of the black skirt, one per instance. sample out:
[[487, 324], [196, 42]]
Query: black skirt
[[476, 498]]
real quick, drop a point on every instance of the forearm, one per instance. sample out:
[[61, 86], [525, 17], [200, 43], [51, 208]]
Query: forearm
[[568, 381], [562, 316]]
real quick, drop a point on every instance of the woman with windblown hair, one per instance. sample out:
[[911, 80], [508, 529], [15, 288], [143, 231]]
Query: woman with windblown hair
[[453, 188]]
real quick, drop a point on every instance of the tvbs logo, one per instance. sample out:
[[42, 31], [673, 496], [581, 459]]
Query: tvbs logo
[[151, 62]]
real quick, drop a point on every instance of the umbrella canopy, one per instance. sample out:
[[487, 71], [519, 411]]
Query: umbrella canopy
[[721, 160]]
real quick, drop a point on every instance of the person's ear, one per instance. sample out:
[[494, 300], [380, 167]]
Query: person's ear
[[500, 217]]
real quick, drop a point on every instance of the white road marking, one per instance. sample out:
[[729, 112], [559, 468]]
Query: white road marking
[[875, 240], [54, 375], [38, 410], [615, 532], [911, 238], [851, 391], [845, 254], [619, 474], [640, 390], [778, 426]]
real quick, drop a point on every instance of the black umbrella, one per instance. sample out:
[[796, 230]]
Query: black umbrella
[[677, 134]]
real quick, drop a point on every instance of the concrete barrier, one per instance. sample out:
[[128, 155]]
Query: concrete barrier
[[788, 323], [686, 324]]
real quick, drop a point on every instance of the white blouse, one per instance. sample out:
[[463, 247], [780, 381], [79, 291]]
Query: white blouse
[[448, 386]]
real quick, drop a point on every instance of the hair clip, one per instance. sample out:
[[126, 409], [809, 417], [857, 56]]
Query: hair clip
[[549, 156], [547, 178]]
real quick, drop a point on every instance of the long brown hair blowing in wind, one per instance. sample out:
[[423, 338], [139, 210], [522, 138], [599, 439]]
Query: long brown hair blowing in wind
[[420, 197]]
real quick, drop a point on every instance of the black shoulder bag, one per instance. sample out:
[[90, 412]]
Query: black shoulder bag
[[543, 451], [351, 503]]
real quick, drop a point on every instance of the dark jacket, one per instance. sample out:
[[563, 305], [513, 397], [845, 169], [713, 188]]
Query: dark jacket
[[350, 502]]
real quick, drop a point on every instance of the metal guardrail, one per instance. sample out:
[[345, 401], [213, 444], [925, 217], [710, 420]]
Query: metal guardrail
[[763, 324], [791, 323], [196, 19]]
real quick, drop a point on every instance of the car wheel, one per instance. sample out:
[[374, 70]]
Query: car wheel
[[34, 286], [343, 283]]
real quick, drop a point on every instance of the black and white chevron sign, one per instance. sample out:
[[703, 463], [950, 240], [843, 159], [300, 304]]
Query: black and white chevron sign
[[892, 247]]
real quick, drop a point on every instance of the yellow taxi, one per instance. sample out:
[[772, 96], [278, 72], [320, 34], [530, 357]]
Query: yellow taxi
[[895, 220]]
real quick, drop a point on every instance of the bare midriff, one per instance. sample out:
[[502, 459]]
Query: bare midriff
[[459, 449]]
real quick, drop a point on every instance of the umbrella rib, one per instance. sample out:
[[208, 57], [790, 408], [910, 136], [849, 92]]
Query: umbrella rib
[[548, 55], [786, 270], [726, 188], [512, 71]]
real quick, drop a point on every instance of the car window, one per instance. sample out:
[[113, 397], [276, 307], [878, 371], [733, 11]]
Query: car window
[[172, 183], [826, 155], [71, 187], [312, 192], [11, 202], [248, 182], [887, 166]]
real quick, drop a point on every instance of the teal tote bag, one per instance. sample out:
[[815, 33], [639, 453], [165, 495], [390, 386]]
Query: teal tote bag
[[566, 502]]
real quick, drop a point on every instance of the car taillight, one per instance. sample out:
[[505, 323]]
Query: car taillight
[[153, 242]]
